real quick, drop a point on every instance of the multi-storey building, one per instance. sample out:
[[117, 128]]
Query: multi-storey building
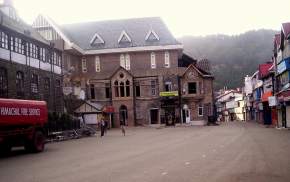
[[135, 67], [282, 58], [30, 67]]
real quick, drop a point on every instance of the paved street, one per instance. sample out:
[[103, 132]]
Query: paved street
[[230, 152]]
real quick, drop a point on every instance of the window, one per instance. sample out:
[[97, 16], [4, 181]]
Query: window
[[84, 65], [166, 60], [137, 89], [92, 88], [42, 54], [168, 86], [122, 89], [3, 40], [125, 61], [128, 88], [200, 110], [153, 87], [47, 85], [153, 60], [107, 90], [34, 83], [33, 51], [200, 87], [3, 83], [12, 43], [18, 45], [127, 66], [116, 85], [98, 64], [122, 60], [192, 88], [19, 84]]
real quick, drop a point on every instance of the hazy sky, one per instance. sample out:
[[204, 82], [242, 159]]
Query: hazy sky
[[183, 17]]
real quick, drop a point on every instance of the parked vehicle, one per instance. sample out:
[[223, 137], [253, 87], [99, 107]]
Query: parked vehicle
[[22, 124]]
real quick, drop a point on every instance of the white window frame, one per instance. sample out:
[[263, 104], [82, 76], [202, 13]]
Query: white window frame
[[166, 59], [153, 60], [127, 62], [200, 107], [122, 60], [152, 32], [98, 63], [84, 65]]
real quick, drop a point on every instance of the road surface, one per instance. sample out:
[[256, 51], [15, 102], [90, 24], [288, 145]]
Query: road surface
[[226, 153]]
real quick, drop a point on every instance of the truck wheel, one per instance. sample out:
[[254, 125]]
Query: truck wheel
[[37, 143]]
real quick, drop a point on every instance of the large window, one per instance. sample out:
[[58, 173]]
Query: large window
[[107, 90], [200, 110], [192, 88], [116, 87], [19, 45], [125, 61], [166, 60], [33, 51], [3, 83], [42, 54], [128, 88], [137, 89], [34, 83], [92, 89], [3, 40], [153, 60], [20, 84]]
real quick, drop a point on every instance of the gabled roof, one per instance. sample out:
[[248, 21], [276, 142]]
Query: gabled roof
[[21, 27], [264, 69], [286, 29], [81, 33], [203, 74]]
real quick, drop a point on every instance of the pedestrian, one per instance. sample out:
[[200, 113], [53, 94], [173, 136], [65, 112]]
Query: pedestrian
[[122, 124], [102, 126]]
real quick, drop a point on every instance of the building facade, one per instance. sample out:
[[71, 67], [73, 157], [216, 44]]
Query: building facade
[[136, 68], [30, 67]]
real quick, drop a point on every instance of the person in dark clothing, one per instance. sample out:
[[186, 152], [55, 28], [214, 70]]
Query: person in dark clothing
[[122, 123], [102, 126]]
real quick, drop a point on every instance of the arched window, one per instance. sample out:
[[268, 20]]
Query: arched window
[[122, 89], [20, 84], [116, 85], [3, 83], [127, 88], [34, 83]]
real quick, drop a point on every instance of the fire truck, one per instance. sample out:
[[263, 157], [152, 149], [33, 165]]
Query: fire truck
[[22, 124]]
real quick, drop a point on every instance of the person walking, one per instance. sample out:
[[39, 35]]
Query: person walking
[[102, 126], [122, 124]]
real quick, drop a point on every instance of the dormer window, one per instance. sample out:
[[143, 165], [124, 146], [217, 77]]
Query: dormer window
[[152, 36], [124, 38], [97, 39]]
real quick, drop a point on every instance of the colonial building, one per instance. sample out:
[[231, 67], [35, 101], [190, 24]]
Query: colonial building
[[30, 67], [135, 68]]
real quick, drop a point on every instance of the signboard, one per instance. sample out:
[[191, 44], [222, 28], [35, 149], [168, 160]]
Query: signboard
[[281, 67], [168, 94], [272, 101]]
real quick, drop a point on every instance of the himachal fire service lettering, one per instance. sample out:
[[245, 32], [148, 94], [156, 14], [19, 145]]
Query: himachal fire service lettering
[[15, 111]]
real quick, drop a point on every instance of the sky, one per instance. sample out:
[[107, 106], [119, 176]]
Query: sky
[[183, 17]]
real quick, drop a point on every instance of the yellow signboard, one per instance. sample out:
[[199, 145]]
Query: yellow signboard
[[168, 94]]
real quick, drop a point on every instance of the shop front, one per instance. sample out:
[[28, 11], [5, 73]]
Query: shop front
[[170, 107], [284, 108]]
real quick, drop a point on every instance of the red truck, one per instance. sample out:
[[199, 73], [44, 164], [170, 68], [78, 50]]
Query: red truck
[[22, 124]]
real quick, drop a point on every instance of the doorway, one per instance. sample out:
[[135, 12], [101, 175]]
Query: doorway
[[123, 115], [154, 116], [185, 115]]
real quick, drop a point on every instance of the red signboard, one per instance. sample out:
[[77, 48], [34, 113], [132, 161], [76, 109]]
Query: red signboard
[[109, 109], [22, 112], [265, 96]]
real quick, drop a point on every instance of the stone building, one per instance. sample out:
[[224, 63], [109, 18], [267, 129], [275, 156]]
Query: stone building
[[30, 67], [135, 67]]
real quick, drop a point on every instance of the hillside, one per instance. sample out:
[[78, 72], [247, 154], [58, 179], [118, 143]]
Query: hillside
[[232, 57]]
